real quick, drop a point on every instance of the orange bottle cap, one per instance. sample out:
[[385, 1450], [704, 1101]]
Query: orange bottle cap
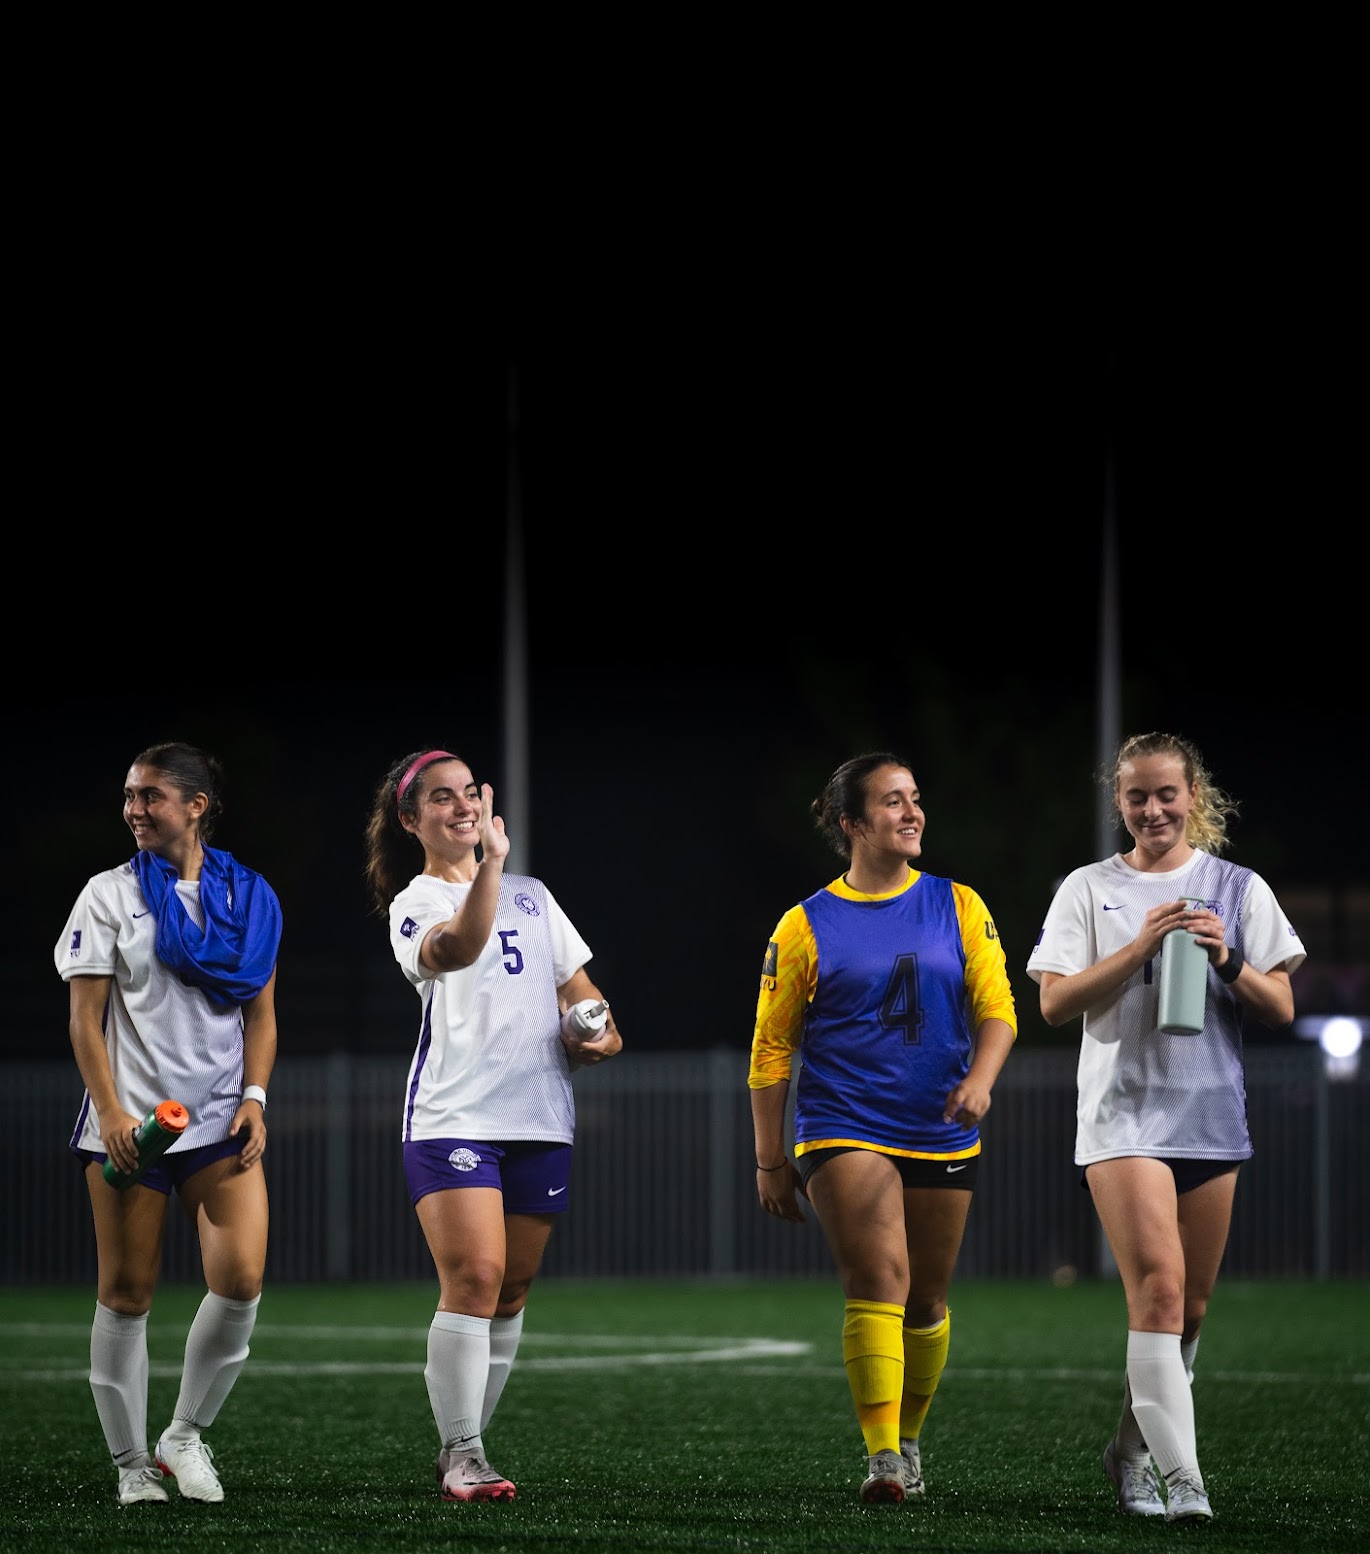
[[172, 1116]]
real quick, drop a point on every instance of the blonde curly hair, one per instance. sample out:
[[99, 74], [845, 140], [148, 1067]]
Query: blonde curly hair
[[1206, 823]]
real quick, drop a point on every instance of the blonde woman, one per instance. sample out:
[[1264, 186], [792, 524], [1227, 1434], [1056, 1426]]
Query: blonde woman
[[1161, 1118]]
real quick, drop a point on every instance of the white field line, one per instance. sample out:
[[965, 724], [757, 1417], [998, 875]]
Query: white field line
[[329, 1334], [599, 1351], [670, 1349]]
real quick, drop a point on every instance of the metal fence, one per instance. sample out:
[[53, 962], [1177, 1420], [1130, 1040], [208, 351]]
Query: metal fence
[[663, 1185]]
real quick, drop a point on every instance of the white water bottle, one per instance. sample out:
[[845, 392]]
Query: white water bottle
[[1184, 982], [584, 1021]]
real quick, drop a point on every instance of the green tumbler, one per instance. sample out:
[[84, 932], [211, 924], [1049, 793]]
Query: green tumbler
[[1184, 982], [162, 1126]]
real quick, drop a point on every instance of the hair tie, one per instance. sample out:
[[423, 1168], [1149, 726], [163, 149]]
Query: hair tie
[[414, 767]]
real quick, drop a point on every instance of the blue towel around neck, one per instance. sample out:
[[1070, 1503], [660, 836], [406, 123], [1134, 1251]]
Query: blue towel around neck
[[233, 957]]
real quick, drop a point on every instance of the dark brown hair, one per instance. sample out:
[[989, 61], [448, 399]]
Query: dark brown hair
[[389, 847], [189, 770], [844, 793]]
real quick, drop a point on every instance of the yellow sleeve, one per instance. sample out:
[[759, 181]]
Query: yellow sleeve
[[789, 978], [987, 983]]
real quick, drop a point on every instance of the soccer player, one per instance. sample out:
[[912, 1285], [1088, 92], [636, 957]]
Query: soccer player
[[171, 963], [1161, 1126], [891, 985], [489, 1114]]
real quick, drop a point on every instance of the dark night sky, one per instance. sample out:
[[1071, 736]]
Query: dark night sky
[[749, 556]]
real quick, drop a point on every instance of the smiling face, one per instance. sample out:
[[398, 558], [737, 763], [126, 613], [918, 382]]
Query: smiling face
[[1154, 800], [161, 820], [892, 826], [449, 811]]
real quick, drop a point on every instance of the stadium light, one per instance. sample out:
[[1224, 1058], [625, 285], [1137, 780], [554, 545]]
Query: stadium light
[[1340, 1036]]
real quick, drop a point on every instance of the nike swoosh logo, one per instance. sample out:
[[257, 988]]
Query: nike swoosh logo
[[553, 1191], [961, 1167], [142, 914], [1117, 908]]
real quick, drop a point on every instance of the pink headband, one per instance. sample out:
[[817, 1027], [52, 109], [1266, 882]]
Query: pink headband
[[423, 760]]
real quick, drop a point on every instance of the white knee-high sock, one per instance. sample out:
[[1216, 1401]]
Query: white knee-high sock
[[1129, 1435], [216, 1351], [1187, 1353], [118, 1379], [456, 1374], [505, 1333], [1161, 1399]]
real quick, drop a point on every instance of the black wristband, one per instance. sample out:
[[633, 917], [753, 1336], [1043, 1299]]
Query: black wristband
[[1231, 968], [760, 1167]]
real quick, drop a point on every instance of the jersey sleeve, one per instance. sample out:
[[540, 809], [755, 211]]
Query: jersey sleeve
[[569, 951], [1063, 941], [988, 989], [88, 946], [789, 979], [412, 913], [1270, 941]]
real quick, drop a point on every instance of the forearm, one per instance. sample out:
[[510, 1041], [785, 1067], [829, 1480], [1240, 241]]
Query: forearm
[[92, 1061], [768, 1123], [259, 1037], [994, 1041], [458, 942], [1268, 995], [86, 1027], [1066, 998]]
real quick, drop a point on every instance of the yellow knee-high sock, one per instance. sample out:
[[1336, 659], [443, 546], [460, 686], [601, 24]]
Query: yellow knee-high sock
[[925, 1358], [873, 1352]]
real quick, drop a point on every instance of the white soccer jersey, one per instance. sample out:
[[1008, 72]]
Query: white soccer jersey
[[489, 1063], [166, 1040], [1140, 1090]]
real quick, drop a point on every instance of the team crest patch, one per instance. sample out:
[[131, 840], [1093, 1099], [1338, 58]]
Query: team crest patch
[[408, 928], [463, 1160], [525, 903], [770, 966]]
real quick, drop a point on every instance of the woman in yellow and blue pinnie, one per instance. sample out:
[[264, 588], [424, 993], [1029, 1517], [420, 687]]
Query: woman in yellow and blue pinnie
[[891, 986]]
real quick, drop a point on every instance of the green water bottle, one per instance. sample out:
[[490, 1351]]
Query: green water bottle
[[160, 1129], [1184, 982]]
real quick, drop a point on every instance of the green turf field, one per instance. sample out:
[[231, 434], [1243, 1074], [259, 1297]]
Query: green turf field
[[698, 1416]]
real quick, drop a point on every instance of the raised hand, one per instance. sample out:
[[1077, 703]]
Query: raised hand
[[493, 842]]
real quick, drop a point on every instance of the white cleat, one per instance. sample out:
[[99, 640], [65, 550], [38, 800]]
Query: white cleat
[[884, 1484], [136, 1484], [191, 1463], [466, 1475], [1139, 1490], [1186, 1499], [913, 1468]]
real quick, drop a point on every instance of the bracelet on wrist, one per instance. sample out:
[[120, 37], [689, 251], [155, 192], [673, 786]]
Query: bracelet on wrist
[[760, 1167], [1231, 968], [255, 1093]]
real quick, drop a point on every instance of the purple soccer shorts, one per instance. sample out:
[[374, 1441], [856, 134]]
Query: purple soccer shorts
[[534, 1177], [174, 1168]]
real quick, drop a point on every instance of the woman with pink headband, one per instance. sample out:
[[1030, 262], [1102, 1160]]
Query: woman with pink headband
[[489, 1113]]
